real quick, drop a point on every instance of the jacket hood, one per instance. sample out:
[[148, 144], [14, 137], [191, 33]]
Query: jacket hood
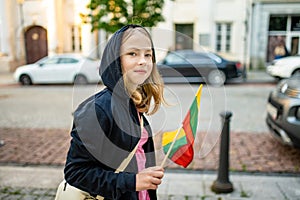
[[110, 66]]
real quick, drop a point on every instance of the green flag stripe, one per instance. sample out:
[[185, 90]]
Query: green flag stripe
[[178, 143], [194, 116]]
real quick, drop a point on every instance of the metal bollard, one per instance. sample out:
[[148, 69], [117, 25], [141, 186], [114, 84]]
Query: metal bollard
[[1, 143], [223, 184]]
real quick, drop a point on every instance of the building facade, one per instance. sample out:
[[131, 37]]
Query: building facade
[[213, 25], [32, 29], [274, 23], [244, 30]]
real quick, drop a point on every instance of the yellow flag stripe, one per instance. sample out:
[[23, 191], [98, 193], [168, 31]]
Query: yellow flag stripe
[[168, 137], [198, 95]]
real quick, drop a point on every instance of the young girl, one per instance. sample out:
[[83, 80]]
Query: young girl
[[111, 124]]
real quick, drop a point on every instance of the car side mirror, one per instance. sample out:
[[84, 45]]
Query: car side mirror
[[41, 64]]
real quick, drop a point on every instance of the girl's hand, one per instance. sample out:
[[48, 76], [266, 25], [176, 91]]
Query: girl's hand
[[149, 178]]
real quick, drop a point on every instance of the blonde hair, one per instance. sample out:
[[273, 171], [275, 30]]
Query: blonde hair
[[152, 88]]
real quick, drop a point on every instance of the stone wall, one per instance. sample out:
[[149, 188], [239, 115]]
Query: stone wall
[[8, 65]]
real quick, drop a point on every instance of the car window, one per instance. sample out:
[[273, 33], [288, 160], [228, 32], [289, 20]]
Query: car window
[[49, 61], [198, 59], [194, 57], [215, 57], [174, 59], [68, 61]]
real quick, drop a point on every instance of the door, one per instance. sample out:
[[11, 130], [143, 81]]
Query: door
[[174, 66], [66, 69], [295, 45], [36, 46], [46, 71], [184, 36]]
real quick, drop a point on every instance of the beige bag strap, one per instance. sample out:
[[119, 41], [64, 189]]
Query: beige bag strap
[[126, 161]]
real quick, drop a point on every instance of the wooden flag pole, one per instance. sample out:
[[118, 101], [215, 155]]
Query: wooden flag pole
[[178, 131]]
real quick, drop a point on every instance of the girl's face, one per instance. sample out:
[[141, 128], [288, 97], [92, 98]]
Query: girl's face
[[136, 57]]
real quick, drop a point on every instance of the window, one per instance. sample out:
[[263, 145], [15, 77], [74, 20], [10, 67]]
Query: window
[[198, 58], [76, 38], [283, 31], [223, 37], [50, 61], [174, 59], [228, 37], [219, 37], [295, 23], [277, 23], [184, 36], [204, 39], [68, 60]]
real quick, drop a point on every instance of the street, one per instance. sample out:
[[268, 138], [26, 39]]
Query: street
[[35, 123], [42, 106]]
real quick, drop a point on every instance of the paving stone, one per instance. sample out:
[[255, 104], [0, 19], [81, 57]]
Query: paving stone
[[39, 192], [46, 198], [51, 192], [2, 195], [13, 197], [29, 197], [26, 193]]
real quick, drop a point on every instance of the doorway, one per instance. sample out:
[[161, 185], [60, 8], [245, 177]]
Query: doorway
[[36, 45], [295, 45], [184, 36]]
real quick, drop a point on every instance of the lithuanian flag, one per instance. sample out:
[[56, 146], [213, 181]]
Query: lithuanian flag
[[178, 144]]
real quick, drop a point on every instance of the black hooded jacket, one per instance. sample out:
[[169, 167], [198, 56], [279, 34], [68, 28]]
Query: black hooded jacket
[[106, 129]]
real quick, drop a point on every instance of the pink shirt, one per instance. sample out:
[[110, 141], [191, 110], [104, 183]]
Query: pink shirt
[[141, 161]]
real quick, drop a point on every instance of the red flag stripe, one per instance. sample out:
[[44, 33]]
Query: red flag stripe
[[187, 128], [184, 155]]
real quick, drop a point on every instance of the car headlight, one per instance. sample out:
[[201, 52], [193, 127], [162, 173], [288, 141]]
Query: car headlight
[[282, 87], [285, 87]]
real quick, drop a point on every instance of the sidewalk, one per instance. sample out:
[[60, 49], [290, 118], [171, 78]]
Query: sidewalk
[[6, 78], [41, 182]]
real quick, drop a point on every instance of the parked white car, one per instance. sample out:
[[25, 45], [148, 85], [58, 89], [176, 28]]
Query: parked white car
[[284, 67], [61, 68]]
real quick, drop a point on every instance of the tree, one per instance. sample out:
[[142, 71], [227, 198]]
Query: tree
[[111, 15]]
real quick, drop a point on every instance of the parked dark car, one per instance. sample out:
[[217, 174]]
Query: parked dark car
[[283, 111], [191, 66]]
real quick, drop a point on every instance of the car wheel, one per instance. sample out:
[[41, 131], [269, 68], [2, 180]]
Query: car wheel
[[216, 77], [25, 80], [80, 80]]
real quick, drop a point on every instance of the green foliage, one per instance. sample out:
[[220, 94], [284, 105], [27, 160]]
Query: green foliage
[[243, 193], [111, 15]]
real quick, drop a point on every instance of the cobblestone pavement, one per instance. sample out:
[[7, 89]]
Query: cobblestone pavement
[[248, 153], [9, 193]]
